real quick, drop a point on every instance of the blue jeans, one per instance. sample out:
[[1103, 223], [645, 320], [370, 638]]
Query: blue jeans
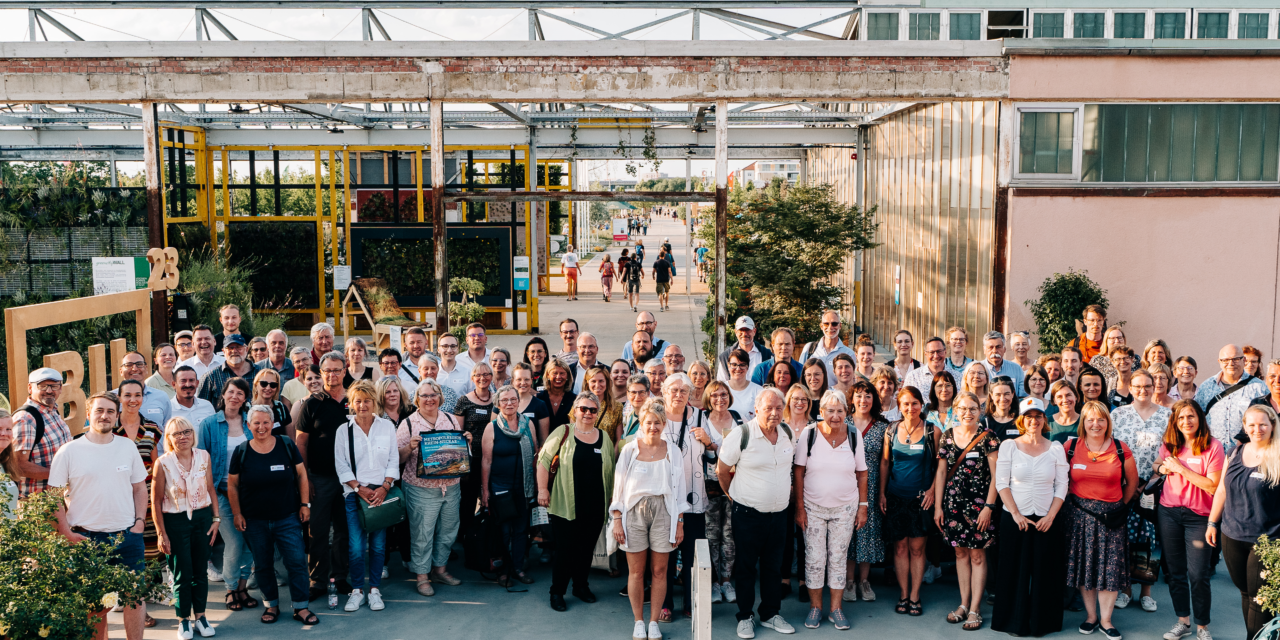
[[285, 534], [237, 561], [375, 543], [129, 547]]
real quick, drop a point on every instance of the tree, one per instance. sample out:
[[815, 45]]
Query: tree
[[785, 243], [1063, 297]]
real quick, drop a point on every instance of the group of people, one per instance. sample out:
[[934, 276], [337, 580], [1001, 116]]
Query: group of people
[[1050, 480], [630, 271]]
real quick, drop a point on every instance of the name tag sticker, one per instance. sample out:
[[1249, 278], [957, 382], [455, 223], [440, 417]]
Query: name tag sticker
[[786, 451], [917, 447], [122, 468], [528, 414], [1011, 432], [971, 454], [482, 411], [642, 469], [277, 467], [597, 451], [1257, 474], [1079, 466], [1193, 460]]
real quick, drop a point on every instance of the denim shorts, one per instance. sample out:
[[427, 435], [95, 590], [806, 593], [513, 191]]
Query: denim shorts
[[130, 551]]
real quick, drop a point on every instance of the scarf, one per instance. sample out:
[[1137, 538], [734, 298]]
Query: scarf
[[525, 437]]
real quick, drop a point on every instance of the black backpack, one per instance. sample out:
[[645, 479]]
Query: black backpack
[[36, 417]]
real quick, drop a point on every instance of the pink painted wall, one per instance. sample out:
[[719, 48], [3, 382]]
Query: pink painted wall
[[1199, 272], [1143, 78]]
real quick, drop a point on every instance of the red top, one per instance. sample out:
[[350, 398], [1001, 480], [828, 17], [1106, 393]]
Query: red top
[[1088, 348], [1099, 479]]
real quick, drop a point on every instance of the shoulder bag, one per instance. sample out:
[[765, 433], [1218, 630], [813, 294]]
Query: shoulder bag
[[391, 511], [1113, 520], [951, 470]]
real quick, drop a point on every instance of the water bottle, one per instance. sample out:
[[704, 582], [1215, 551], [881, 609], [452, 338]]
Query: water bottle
[[333, 594]]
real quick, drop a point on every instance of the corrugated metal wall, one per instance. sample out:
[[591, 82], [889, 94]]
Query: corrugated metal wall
[[931, 171], [835, 166]]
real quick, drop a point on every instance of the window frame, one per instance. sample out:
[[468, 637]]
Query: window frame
[[945, 28], [1077, 152], [1188, 24], [865, 32], [1067, 23], [904, 24], [1077, 138], [1231, 23]]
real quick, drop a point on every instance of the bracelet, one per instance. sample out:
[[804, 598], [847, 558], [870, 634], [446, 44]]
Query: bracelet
[[1213, 524]]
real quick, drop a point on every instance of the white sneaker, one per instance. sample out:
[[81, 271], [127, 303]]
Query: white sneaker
[[213, 573], [202, 627], [184, 630], [864, 589], [1148, 604], [384, 572], [747, 628], [715, 593], [354, 602], [1123, 600], [656, 634], [931, 573], [728, 593], [779, 624], [638, 633], [1179, 630], [849, 595], [375, 600]]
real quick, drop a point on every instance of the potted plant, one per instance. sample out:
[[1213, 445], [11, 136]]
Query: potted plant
[[464, 313]]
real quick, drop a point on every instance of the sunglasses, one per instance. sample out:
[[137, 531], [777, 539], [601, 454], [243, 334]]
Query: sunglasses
[[268, 385], [591, 410]]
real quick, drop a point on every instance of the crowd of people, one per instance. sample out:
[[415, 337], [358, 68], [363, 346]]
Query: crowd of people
[[1049, 483]]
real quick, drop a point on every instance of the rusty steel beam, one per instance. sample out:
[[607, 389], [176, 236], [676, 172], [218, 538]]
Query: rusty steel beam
[[582, 196]]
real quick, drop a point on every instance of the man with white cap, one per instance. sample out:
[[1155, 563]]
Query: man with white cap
[[184, 342], [745, 329], [38, 431]]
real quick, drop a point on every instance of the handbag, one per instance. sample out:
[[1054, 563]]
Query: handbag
[[482, 544], [503, 507], [1143, 566], [554, 467], [392, 510], [1148, 502]]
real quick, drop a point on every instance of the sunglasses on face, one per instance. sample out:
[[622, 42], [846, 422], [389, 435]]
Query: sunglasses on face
[[267, 384], [591, 410]]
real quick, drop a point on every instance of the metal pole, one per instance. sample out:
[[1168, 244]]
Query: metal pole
[[722, 217], [439, 230], [115, 176], [155, 212], [531, 223], [31, 24], [199, 24], [858, 161], [689, 262]]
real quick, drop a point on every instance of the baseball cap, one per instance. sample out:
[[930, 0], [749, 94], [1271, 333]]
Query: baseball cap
[[185, 333], [745, 322], [44, 374], [234, 338], [1031, 404]]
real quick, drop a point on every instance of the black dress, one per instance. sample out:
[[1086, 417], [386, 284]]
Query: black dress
[[475, 417], [559, 416], [348, 380]]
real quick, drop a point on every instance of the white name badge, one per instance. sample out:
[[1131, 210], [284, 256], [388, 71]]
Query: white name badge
[[642, 469], [1079, 466], [597, 451], [1193, 460], [917, 447], [1257, 474], [971, 454], [277, 467], [1011, 432], [122, 468]]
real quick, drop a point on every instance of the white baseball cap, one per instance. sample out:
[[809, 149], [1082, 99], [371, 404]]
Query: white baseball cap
[[44, 374], [1030, 404], [745, 322]]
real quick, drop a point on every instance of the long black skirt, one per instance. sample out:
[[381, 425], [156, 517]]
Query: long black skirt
[[1030, 581]]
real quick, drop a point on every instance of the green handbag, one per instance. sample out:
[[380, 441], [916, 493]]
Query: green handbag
[[392, 510]]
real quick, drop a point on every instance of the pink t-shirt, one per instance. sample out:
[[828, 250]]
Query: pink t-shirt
[[1178, 492], [830, 477]]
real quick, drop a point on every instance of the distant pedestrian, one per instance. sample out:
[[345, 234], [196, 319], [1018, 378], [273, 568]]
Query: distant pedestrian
[[606, 278], [663, 271], [569, 264]]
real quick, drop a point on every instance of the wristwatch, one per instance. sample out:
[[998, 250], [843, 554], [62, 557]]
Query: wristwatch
[[307, 505]]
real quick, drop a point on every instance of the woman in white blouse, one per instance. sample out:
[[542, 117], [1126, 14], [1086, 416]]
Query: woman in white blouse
[[1031, 476], [647, 511], [368, 464]]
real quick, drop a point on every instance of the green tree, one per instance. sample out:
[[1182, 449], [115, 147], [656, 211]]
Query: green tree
[[1063, 297], [784, 246]]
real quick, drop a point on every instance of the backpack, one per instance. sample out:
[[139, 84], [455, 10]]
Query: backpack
[[36, 417], [930, 447], [813, 437], [1113, 520], [746, 434]]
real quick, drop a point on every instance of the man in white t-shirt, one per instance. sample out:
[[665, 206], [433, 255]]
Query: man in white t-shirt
[[569, 263], [106, 496], [453, 373]]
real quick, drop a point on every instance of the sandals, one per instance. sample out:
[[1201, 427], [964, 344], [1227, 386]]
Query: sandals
[[233, 601], [901, 607], [269, 616], [957, 616], [974, 622], [149, 622], [915, 608], [311, 618], [246, 600]]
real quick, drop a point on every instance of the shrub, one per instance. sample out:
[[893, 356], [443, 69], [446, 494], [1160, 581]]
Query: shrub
[[1268, 552], [1063, 297], [50, 587]]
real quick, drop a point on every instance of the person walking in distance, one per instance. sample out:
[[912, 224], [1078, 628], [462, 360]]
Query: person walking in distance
[[632, 274], [663, 272], [569, 264], [607, 272]]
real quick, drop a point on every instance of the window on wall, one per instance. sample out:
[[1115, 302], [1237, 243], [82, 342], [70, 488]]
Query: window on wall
[[882, 26], [1131, 25], [966, 26], [924, 26], [1047, 25], [1046, 142], [1171, 25], [1090, 25], [1181, 143], [1212, 25], [1251, 26]]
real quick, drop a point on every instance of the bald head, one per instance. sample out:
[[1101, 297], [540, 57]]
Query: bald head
[[1231, 357], [645, 321], [588, 348]]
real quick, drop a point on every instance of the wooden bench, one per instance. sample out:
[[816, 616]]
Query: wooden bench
[[381, 312]]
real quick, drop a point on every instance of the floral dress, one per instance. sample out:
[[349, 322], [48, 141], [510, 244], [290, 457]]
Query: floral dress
[[966, 494], [148, 443], [867, 545], [1144, 439]]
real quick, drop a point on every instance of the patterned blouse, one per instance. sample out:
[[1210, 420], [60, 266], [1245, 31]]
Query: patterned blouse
[[1144, 437], [185, 490], [414, 425], [149, 441]]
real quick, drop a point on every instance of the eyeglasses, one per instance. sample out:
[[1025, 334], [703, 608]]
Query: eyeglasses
[[646, 323], [831, 324], [428, 396], [1236, 359], [183, 434], [509, 400], [568, 332], [132, 365], [52, 386], [591, 410], [475, 335], [267, 384], [737, 365], [673, 356], [332, 371]]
